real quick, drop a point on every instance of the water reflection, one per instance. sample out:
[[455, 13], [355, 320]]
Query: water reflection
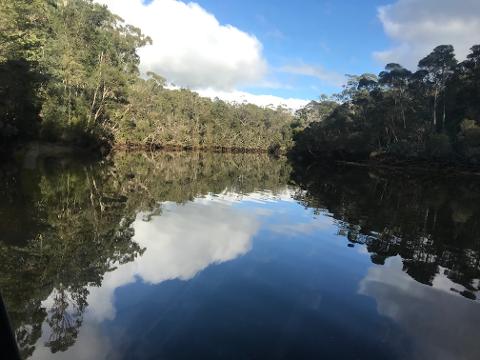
[[185, 255], [73, 228], [423, 313], [180, 243], [431, 221], [183, 241], [68, 227]]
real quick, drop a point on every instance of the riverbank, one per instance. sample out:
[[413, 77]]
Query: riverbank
[[31, 150], [419, 166], [213, 149], [28, 153], [407, 166]]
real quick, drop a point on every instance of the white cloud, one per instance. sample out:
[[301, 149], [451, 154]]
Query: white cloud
[[418, 26], [260, 100], [327, 76], [190, 47]]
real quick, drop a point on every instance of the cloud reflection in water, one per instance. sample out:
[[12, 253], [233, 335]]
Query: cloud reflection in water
[[179, 244], [420, 310]]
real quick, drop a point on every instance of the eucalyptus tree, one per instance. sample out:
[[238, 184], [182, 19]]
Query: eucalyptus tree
[[390, 115], [396, 78], [22, 37], [92, 60], [440, 65]]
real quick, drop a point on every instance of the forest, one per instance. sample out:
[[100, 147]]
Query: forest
[[432, 114], [70, 74]]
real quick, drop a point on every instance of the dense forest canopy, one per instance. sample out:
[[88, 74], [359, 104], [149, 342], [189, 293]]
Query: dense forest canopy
[[70, 73], [432, 113]]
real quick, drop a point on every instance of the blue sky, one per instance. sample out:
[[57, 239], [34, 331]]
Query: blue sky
[[288, 52], [336, 35]]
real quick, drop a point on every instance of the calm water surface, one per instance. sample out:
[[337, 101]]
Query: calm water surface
[[210, 256]]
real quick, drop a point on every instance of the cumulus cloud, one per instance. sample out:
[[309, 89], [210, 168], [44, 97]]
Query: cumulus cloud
[[418, 26], [327, 76], [190, 47], [260, 100]]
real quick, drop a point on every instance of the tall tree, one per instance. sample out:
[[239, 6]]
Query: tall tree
[[397, 78], [439, 64]]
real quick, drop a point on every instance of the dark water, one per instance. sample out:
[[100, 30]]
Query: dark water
[[188, 256]]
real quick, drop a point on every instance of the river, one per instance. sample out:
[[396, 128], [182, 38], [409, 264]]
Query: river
[[237, 256]]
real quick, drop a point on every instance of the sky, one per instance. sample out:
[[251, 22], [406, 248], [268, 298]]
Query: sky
[[289, 52]]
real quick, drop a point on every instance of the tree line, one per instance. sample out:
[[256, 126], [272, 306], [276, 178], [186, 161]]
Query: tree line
[[430, 114], [69, 73]]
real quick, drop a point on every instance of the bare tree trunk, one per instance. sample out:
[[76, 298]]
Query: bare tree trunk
[[444, 111], [95, 94]]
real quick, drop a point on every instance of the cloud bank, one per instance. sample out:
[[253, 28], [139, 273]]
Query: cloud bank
[[418, 26], [190, 47], [260, 100]]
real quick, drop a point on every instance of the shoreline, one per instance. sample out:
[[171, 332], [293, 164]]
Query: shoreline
[[54, 149], [417, 166], [36, 149], [178, 148]]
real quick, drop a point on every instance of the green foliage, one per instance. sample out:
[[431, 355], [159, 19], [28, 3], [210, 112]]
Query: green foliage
[[313, 111], [469, 140], [438, 146], [19, 104], [158, 117], [91, 61], [403, 114], [80, 85]]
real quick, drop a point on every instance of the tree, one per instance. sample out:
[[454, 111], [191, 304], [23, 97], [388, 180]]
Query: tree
[[440, 65], [390, 115], [397, 78], [22, 37]]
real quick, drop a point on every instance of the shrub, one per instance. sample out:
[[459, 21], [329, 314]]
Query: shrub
[[472, 137], [438, 146]]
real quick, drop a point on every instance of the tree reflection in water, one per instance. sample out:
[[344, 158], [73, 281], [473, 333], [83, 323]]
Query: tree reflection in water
[[68, 222], [431, 221]]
